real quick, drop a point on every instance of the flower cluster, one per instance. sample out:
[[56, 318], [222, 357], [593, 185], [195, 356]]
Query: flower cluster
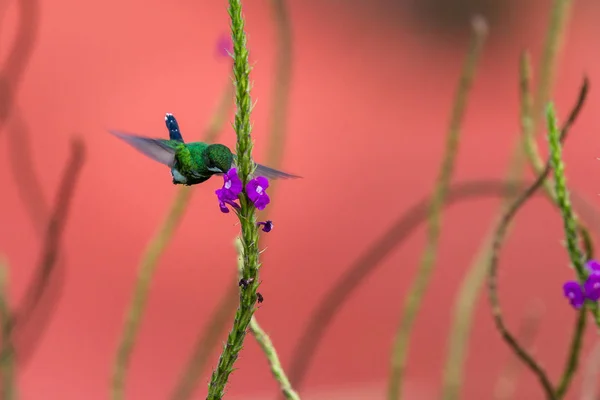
[[255, 189], [590, 290]]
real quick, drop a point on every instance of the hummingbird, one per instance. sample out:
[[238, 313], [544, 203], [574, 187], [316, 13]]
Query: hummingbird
[[191, 163]]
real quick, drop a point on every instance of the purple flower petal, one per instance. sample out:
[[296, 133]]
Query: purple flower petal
[[263, 182], [592, 287], [593, 266], [267, 226], [223, 207], [255, 189], [574, 292], [228, 194], [232, 183]]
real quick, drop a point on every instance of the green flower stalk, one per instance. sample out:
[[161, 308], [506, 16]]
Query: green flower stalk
[[562, 194], [247, 210], [266, 345]]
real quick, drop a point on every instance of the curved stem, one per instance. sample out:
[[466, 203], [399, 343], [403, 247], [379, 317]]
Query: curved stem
[[497, 244], [476, 273], [425, 270]]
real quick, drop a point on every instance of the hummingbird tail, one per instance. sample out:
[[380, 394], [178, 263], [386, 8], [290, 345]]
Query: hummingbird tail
[[173, 127]]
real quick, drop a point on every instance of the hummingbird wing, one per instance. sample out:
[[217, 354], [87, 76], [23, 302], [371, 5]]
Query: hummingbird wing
[[269, 172], [272, 173], [159, 150]]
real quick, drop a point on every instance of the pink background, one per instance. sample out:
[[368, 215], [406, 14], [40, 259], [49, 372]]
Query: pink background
[[371, 95]]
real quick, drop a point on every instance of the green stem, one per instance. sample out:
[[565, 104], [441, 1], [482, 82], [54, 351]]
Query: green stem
[[562, 195], [7, 360], [499, 238], [247, 211], [281, 85], [537, 164], [574, 353], [151, 256], [209, 337], [425, 269], [142, 287], [266, 345], [475, 275]]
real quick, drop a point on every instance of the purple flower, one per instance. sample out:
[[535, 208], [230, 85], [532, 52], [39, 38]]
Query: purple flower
[[256, 192], [592, 287], [228, 194], [593, 266], [574, 292], [267, 226], [224, 45]]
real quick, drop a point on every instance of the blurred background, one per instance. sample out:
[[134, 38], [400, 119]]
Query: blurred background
[[371, 89]]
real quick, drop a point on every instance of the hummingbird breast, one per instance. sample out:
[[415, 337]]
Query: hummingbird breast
[[178, 177]]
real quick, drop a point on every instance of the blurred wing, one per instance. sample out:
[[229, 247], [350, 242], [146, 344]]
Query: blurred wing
[[273, 173], [268, 172], [157, 149]]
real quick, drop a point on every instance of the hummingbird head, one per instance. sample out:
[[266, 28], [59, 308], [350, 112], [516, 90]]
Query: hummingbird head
[[218, 158]]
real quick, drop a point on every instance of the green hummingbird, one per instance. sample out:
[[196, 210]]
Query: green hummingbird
[[190, 163]]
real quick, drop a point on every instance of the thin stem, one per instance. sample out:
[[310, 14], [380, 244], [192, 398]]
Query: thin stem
[[528, 331], [247, 211], [497, 244], [537, 164], [266, 345], [559, 16], [55, 224], [367, 263], [151, 256], [425, 269], [554, 34], [7, 360], [137, 306], [574, 354], [206, 342], [208, 339], [281, 85]]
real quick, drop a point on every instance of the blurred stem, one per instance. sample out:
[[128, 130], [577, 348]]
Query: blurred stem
[[154, 250], [366, 264], [589, 384], [140, 295], [206, 343], [53, 234], [281, 85], [505, 386], [265, 342], [7, 360], [559, 17], [464, 307], [574, 354], [425, 270], [471, 287]]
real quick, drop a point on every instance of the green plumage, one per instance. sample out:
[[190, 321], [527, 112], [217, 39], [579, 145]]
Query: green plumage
[[190, 163]]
